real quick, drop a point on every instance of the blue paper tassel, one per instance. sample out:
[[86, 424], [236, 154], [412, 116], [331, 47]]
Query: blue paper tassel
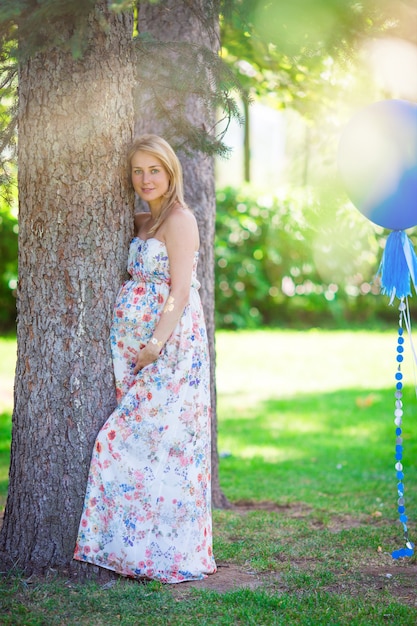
[[398, 266]]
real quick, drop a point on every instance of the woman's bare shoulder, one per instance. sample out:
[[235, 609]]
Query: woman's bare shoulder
[[181, 216], [181, 220]]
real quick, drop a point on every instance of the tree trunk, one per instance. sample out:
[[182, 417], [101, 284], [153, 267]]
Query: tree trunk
[[246, 143], [75, 121], [195, 22]]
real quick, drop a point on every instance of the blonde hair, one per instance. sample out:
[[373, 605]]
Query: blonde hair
[[158, 147]]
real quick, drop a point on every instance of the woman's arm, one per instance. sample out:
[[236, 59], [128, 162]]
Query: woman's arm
[[180, 234]]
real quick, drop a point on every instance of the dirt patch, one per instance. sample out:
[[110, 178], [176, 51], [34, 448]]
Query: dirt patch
[[336, 523], [296, 509], [227, 578], [396, 581], [299, 510], [399, 580]]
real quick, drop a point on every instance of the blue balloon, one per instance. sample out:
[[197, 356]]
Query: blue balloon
[[377, 160]]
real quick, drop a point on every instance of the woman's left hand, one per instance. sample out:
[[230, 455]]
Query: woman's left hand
[[145, 356]]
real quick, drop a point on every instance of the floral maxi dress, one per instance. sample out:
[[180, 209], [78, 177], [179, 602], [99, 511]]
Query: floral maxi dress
[[147, 509]]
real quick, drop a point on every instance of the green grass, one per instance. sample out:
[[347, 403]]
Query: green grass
[[126, 603], [340, 458], [5, 428], [49, 604], [306, 438], [7, 365]]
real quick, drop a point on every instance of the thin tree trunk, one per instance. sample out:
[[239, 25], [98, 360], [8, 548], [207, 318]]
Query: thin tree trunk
[[246, 143], [75, 121], [195, 22]]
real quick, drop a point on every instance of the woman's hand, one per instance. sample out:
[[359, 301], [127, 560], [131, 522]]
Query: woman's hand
[[145, 356]]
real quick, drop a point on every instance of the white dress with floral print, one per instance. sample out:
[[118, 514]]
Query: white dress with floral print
[[147, 509]]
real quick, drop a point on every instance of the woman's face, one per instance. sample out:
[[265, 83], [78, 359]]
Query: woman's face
[[149, 178]]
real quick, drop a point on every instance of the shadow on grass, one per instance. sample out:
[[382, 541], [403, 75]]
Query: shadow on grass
[[332, 450]]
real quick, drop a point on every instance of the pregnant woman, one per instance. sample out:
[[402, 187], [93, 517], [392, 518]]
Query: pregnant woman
[[147, 509]]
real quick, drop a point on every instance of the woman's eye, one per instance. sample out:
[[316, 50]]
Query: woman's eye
[[137, 171], [154, 171]]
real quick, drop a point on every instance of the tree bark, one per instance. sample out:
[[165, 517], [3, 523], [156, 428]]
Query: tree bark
[[194, 22], [75, 122]]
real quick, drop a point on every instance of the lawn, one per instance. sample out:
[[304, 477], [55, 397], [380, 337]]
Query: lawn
[[307, 443]]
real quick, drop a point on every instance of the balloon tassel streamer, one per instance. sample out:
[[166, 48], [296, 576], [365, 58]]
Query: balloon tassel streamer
[[398, 266]]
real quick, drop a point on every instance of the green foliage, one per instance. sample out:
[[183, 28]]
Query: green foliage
[[42, 24], [8, 121], [285, 46], [309, 56], [295, 259], [171, 74], [300, 26], [8, 189], [8, 267], [175, 74]]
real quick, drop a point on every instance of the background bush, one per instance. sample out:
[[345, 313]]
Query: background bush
[[8, 267], [296, 260]]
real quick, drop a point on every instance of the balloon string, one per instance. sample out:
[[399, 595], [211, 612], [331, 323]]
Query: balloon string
[[404, 317]]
